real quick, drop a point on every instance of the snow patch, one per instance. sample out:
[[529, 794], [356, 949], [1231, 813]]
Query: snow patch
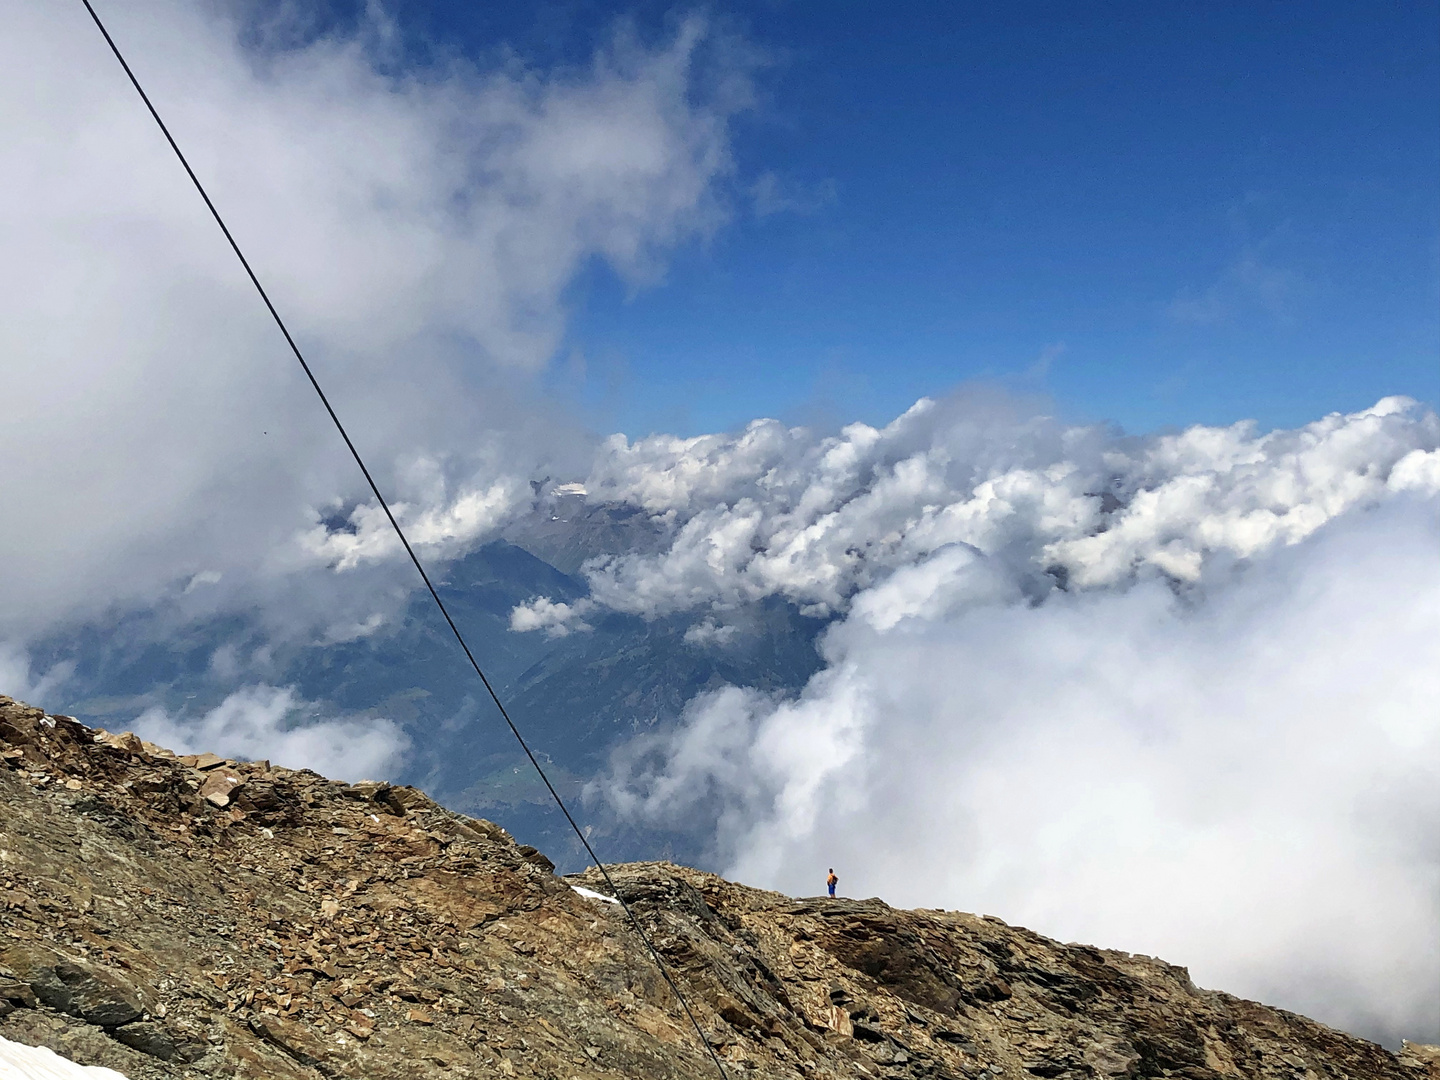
[[591, 894], [20, 1062]]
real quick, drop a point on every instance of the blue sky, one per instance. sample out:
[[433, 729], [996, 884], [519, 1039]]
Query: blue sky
[[1156, 214]]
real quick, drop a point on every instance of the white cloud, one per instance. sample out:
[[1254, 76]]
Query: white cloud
[[1418, 472], [18, 680], [417, 229], [446, 526], [773, 511], [709, 633], [1228, 491], [1243, 779], [270, 722], [556, 619], [953, 577]]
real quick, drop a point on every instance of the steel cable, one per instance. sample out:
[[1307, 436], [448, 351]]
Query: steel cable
[[405, 542]]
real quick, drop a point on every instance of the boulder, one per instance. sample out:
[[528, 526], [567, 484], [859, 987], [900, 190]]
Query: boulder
[[125, 740], [203, 762], [407, 799], [15, 994], [219, 786], [291, 1036], [149, 1038], [81, 989]]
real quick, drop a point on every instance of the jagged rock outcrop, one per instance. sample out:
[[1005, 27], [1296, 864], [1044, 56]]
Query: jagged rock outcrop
[[195, 917]]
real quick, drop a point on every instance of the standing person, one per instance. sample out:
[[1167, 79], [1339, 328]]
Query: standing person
[[832, 881]]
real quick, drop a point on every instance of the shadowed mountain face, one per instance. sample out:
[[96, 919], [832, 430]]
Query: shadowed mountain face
[[576, 698], [174, 917]]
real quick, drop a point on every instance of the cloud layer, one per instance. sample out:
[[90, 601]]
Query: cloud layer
[[776, 511]]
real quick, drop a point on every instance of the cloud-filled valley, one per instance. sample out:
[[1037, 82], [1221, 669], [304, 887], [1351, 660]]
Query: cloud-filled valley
[[1173, 692]]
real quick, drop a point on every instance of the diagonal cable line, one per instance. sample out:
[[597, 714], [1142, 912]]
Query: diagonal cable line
[[405, 542]]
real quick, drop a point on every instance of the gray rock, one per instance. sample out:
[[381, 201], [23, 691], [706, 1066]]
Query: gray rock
[[95, 996], [149, 1038], [15, 994]]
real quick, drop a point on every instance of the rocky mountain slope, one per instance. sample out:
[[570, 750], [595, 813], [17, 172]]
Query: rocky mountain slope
[[193, 917]]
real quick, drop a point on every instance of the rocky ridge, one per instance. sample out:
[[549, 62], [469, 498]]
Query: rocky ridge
[[174, 917]]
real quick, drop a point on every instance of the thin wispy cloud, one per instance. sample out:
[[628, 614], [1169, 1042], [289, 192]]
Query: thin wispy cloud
[[1249, 283], [1264, 276], [770, 194]]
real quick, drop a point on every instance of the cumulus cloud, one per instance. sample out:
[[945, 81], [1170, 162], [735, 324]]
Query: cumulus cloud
[[1242, 778], [708, 632], [416, 226], [1228, 491], [556, 619], [271, 722], [776, 511], [445, 526]]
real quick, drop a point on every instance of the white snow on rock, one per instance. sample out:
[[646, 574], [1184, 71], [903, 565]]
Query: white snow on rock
[[591, 894], [20, 1062]]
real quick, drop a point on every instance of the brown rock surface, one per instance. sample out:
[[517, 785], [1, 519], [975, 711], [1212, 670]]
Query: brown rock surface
[[306, 928]]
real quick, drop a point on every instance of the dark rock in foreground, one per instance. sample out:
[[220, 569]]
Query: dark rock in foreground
[[195, 917]]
